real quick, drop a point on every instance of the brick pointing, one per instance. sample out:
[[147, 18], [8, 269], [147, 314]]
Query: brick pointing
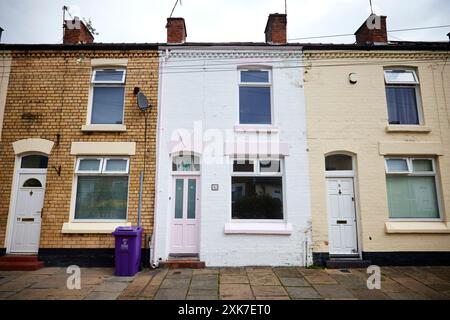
[[48, 94], [276, 29]]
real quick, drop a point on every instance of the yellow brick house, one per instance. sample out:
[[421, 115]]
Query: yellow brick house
[[73, 146], [378, 115]]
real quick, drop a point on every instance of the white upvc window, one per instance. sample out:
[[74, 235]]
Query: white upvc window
[[412, 186], [403, 96], [255, 96], [107, 98], [400, 76], [257, 189], [101, 189]]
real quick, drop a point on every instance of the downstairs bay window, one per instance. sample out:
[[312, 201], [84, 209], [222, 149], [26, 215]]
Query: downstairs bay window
[[257, 190], [412, 188], [101, 189]]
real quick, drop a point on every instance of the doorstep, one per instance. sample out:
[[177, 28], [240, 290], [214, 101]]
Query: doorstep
[[13, 262], [347, 263], [180, 261]]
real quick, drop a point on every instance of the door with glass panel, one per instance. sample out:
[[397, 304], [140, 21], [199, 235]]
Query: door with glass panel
[[185, 215], [29, 203]]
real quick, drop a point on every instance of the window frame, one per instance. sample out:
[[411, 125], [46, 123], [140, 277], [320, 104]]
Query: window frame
[[412, 173], [400, 84], [185, 173], [113, 173], [95, 70], [408, 164], [388, 82], [268, 84], [105, 84], [97, 173], [256, 173]]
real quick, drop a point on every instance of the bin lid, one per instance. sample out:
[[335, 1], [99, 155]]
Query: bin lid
[[127, 231]]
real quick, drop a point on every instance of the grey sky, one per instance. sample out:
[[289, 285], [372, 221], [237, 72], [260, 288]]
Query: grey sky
[[40, 21]]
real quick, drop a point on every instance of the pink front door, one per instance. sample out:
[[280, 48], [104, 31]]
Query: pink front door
[[185, 215]]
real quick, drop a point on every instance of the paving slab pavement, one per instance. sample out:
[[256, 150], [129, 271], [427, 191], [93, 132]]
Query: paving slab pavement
[[241, 283]]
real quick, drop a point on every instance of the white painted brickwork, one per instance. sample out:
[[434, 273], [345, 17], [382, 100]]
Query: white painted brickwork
[[212, 98]]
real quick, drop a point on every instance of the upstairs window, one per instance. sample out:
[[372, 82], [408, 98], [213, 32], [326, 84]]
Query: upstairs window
[[108, 93], [402, 93], [255, 97]]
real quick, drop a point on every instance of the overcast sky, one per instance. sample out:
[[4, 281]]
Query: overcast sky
[[40, 21]]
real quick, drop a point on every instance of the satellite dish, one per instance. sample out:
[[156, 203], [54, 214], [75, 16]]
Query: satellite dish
[[142, 101]]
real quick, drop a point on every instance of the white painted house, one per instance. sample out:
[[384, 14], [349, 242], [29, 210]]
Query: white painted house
[[232, 166]]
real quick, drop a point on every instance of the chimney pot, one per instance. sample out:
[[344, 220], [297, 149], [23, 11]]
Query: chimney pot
[[372, 31], [76, 32], [276, 29], [176, 31]]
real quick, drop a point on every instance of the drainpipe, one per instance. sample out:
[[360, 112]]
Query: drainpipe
[[154, 261]]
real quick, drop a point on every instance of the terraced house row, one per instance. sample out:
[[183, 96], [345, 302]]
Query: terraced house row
[[274, 153]]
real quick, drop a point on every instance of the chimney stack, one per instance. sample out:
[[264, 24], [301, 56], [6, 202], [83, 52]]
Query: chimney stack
[[372, 31], [448, 35], [76, 32], [176, 31], [1, 31], [276, 29]]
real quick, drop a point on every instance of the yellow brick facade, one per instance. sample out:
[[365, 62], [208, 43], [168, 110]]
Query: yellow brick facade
[[353, 118], [53, 87]]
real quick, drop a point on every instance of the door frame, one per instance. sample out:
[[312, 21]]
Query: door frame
[[349, 175], [185, 175], [14, 194]]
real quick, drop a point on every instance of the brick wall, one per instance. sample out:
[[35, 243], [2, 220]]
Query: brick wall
[[77, 35], [53, 89], [276, 29], [372, 31], [353, 118]]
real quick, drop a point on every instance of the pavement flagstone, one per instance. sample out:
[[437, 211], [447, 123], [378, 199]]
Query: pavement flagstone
[[241, 283]]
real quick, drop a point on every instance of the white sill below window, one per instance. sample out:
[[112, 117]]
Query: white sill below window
[[92, 227], [256, 128], [417, 227], [407, 128], [274, 228], [104, 127]]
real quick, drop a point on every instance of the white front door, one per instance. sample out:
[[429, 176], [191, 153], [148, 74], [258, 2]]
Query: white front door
[[342, 217], [185, 215], [29, 201]]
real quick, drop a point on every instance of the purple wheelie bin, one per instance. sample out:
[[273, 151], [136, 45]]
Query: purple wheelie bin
[[128, 250]]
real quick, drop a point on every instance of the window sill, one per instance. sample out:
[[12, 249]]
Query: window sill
[[406, 128], [255, 128], [258, 228], [406, 227], [92, 227], [104, 127]]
